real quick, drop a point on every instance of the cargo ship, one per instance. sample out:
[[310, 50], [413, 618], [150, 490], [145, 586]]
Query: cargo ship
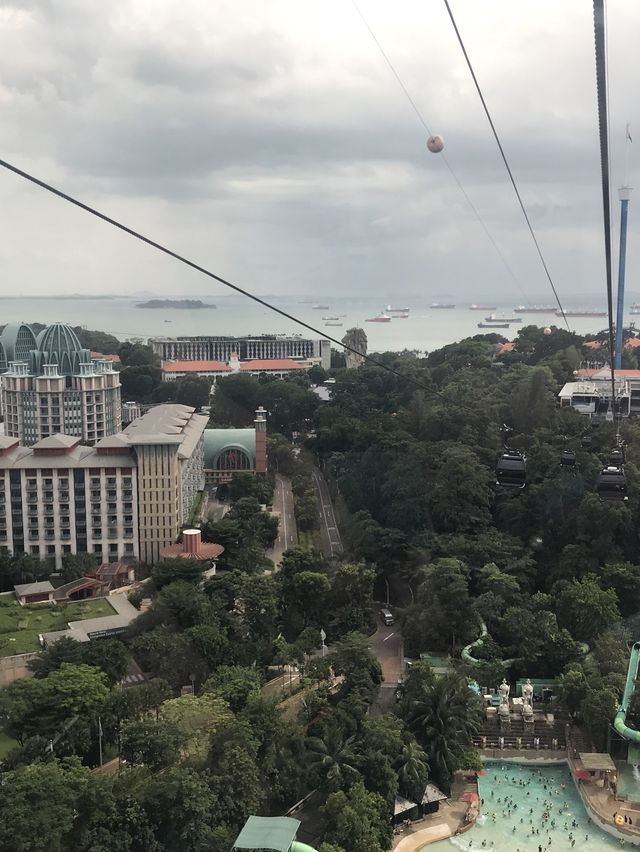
[[441, 305], [535, 309], [635, 308], [582, 313], [501, 318], [483, 307], [319, 307], [493, 325], [379, 318], [334, 323], [331, 319], [391, 310]]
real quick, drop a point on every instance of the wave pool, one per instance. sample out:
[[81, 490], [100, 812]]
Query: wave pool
[[527, 809]]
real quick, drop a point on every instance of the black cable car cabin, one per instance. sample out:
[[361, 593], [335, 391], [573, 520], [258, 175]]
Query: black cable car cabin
[[568, 458], [616, 457], [511, 470], [612, 484]]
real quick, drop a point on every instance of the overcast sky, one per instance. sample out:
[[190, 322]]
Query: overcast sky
[[268, 140]]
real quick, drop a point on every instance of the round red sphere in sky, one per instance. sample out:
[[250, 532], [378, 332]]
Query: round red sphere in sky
[[547, 331], [435, 144]]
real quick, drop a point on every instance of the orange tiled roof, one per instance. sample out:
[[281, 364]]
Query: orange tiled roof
[[272, 364], [195, 367], [507, 347], [114, 358]]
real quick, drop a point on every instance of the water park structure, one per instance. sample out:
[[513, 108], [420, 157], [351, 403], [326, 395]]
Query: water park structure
[[270, 834]]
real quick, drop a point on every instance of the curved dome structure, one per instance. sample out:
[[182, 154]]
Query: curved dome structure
[[18, 340], [58, 338], [59, 344]]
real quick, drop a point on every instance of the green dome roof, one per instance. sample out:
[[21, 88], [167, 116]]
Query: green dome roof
[[18, 340], [216, 441], [60, 339]]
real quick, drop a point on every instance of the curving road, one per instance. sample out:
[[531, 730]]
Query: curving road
[[329, 533]]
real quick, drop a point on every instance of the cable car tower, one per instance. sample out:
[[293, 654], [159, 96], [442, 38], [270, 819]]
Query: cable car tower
[[624, 193]]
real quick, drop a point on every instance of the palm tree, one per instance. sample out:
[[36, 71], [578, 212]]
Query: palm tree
[[334, 758], [444, 718], [413, 770]]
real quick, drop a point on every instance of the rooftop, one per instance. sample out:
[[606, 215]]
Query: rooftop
[[33, 588], [273, 833], [168, 424], [597, 762], [195, 367]]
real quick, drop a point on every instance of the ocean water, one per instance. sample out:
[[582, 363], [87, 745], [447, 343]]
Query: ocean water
[[515, 799], [425, 329]]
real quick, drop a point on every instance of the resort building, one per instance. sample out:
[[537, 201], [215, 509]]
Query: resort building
[[51, 385], [590, 394], [263, 347], [124, 499], [168, 445], [213, 370], [60, 497]]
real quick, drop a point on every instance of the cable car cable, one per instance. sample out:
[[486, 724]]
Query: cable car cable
[[422, 121], [506, 163]]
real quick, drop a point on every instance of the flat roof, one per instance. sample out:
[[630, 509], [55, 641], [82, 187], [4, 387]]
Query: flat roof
[[597, 762], [33, 588], [273, 833]]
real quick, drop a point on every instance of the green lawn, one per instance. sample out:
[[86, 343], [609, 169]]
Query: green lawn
[[6, 744], [20, 625]]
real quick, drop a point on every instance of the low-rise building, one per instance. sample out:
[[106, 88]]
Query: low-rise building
[[261, 347], [214, 370], [229, 451], [591, 393]]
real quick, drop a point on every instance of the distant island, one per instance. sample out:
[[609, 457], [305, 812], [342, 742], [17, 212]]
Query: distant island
[[180, 304]]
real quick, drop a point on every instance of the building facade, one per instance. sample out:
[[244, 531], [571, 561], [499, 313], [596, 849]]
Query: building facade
[[213, 370], [124, 499], [59, 497], [229, 451], [168, 444], [51, 385], [262, 347]]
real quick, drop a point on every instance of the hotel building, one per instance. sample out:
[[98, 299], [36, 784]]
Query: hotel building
[[51, 385], [265, 347]]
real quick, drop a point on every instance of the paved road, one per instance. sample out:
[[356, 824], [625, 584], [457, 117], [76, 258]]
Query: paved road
[[388, 647], [329, 533], [287, 528]]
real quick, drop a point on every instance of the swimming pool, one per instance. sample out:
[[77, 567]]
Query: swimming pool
[[515, 801]]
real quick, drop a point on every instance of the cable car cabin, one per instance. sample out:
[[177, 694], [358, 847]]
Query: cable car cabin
[[616, 457], [511, 470], [586, 441], [568, 458], [612, 484]]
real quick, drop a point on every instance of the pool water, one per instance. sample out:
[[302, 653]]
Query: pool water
[[516, 797]]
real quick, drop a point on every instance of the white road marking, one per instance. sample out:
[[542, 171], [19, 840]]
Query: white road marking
[[389, 636]]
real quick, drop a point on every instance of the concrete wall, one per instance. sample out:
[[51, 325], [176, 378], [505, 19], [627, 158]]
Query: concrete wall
[[15, 668]]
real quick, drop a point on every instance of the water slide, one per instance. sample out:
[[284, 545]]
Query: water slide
[[629, 689]]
